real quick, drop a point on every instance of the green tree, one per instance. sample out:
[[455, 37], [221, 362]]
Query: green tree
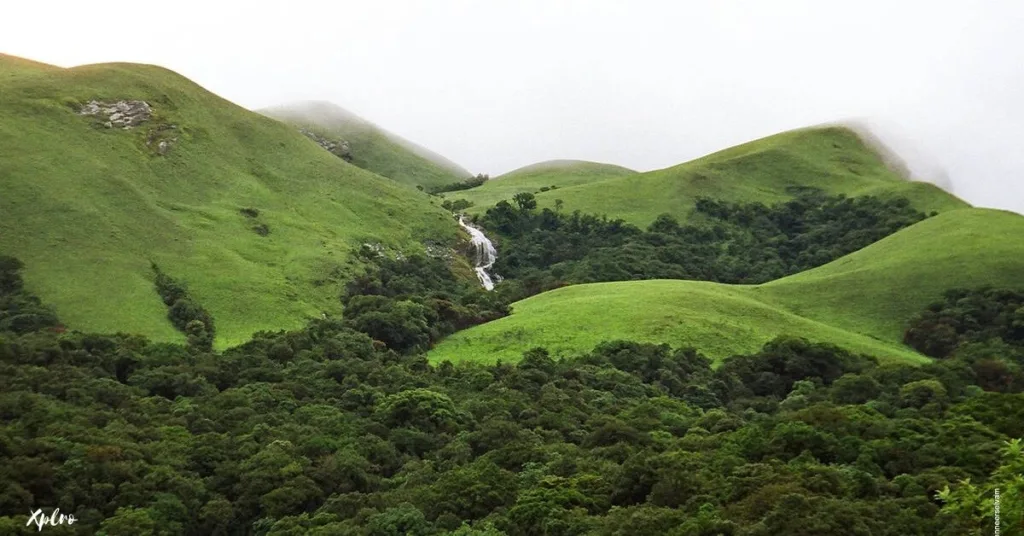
[[525, 201]]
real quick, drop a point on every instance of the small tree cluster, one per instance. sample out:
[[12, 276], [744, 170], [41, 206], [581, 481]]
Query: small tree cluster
[[471, 182], [185, 312], [20, 311]]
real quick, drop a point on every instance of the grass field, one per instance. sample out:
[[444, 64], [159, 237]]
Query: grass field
[[860, 302], [833, 159], [372, 147], [874, 290], [87, 208], [560, 173]]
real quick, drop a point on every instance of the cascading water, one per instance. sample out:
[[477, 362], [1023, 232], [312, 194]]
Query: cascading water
[[485, 254]]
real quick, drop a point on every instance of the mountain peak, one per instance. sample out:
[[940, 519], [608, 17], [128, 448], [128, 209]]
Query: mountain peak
[[373, 148]]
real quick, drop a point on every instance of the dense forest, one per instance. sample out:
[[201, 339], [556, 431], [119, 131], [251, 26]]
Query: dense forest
[[332, 430], [724, 242], [966, 317], [409, 303]]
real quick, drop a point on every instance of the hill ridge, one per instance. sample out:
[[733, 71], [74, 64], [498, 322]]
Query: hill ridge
[[372, 147], [833, 159], [562, 163]]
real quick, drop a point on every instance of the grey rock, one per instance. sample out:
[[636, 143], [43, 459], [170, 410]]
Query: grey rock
[[90, 109], [337, 148], [122, 113]]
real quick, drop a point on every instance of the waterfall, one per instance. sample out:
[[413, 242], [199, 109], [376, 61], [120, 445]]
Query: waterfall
[[485, 254]]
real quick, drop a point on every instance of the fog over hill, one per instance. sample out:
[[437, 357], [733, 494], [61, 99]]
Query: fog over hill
[[901, 154], [499, 85], [331, 116]]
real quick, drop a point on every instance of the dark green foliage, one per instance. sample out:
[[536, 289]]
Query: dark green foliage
[[327, 431], [258, 227], [409, 303], [773, 371], [10, 278], [464, 185], [729, 243], [184, 312], [968, 316], [982, 328], [321, 431], [457, 205], [20, 311]]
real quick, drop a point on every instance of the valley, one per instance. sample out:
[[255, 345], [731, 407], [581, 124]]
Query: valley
[[294, 321]]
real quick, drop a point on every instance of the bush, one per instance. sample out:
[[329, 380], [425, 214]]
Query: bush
[[458, 186], [187, 315]]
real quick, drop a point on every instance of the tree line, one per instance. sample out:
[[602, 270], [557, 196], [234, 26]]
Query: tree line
[[471, 182], [724, 242]]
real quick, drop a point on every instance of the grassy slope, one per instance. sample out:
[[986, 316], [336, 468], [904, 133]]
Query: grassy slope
[[720, 320], [372, 147], [860, 301], [87, 208], [875, 290], [561, 173], [831, 158]]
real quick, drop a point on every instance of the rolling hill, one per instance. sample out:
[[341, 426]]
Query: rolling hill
[[88, 206], [860, 301], [833, 159], [875, 290], [371, 147], [557, 173]]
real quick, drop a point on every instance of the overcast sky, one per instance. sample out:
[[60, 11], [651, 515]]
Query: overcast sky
[[495, 85]]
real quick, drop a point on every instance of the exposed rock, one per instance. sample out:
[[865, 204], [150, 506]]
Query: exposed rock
[[122, 113], [160, 138], [373, 249], [337, 148], [438, 251]]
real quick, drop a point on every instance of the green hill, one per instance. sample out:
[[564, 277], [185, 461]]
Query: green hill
[[372, 147], [720, 320], [833, 159], [555, 173], [860, 301], [87, 208], [875, 290]]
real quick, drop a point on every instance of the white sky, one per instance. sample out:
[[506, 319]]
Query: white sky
[[495, 85]]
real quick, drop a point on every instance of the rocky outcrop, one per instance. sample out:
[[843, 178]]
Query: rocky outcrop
[[123, 113], [438, 251], [127, 114], [161, 138], [337, 148]]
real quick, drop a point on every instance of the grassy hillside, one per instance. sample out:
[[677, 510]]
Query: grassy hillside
[[833, 159], [720, 320], [860, 301], [87, 207], [372, 147], [874, 290], [559, 173]]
